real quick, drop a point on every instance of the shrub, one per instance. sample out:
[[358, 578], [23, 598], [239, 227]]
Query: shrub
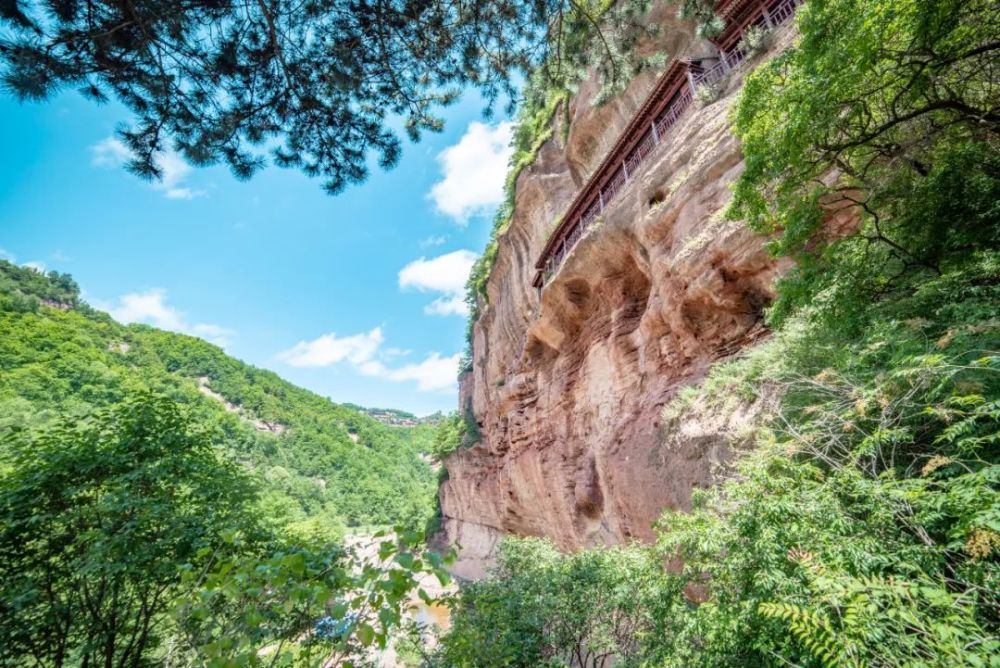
[[756, 40], [542, 608]]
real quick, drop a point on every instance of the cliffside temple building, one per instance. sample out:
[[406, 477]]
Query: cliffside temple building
[[595, 323], [650, 127]]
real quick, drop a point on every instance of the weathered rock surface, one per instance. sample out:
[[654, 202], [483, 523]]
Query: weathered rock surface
[[568, 385]]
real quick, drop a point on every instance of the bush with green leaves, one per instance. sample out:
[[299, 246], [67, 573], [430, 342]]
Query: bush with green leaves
[[867, 522], [542, 608], [95, 518], [885, 113], [299, 605], [127, 539]]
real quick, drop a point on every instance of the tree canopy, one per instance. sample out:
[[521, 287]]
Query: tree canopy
[[95, 517], [885, 110], [317, 83], [128, 540]]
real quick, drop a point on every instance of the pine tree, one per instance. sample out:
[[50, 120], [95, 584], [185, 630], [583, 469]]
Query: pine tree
[[318, 84]]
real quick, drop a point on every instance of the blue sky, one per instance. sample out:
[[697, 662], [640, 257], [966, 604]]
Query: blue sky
[[357, 297]]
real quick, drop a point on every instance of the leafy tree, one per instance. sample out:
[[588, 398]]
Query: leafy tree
[[127, 541], [301, 605], [542, 608], [864, 528], [323, 81], [450, 434], [886, 111], [27, 285], [95, 518]]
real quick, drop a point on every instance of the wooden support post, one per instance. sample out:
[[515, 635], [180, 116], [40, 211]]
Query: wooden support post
[[625, 171], [767, 17], [600, 198], [656, 136]]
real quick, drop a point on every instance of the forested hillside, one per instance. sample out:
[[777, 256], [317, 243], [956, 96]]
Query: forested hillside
[[323, 465]]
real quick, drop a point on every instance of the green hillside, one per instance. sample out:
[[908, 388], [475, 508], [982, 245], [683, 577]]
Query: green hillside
[[323, 465]]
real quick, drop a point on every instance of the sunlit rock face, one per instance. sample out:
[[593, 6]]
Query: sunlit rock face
[[568, 384]]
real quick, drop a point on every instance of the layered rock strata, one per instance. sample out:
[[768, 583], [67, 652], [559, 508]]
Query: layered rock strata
[[568, 383]]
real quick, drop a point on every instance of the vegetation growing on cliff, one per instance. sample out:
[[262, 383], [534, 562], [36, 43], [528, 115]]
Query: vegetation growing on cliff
[[887, 109], [865, 522], [546, 609]]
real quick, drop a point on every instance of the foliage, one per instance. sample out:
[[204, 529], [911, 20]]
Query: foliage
[[542, 608], [708, 23], [317, 82], [127, 540], [451, 434], [96, 516], [865, 521], [707, 93], [330, 462], [885, 110], [24, 288], [756, 40], [301, 606]]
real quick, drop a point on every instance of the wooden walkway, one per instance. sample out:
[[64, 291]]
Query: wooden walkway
[[651, 125]]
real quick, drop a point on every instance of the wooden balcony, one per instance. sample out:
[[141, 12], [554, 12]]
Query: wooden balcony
[[651, 125]]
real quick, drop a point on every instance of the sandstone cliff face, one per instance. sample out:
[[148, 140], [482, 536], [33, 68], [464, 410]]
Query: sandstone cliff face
[[568, 385]]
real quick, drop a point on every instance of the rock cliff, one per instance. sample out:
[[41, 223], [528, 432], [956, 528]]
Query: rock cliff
[[568, 383]]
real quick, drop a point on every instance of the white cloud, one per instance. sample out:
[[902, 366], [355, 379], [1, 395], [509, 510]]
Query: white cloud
[[330, 349], [111, 152], [434, 374], [474, 170], [364, 353], [151, 307], [174, 171], [37, 265], [6, 255], [446, 274], [451, 305], [433, 241]]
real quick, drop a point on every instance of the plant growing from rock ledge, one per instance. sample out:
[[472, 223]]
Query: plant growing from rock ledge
[[708, 23], [707, 93], [756, 40]]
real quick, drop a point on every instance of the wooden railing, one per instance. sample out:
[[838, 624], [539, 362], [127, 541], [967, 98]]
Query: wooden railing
[[668, 102], [765, 15], [644, 134]]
